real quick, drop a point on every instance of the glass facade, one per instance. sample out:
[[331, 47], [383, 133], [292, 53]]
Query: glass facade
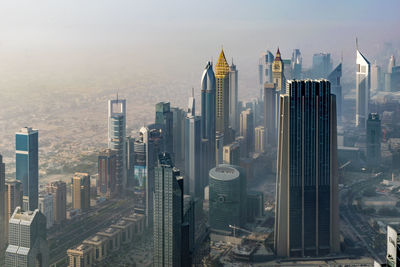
[[27, 164]]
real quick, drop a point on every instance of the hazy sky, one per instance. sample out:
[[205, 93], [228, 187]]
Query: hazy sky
[[84, 43]]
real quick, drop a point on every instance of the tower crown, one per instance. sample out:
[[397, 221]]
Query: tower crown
[[222, 67], [278, 55]]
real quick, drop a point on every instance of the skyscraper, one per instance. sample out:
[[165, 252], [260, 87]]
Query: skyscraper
[[232, 153], [178, 136], [271, 101], [362, 89], [321, 65], [222, 97], [165, 118], [107, 173], [208, 121], [307, 212], [259, 139], [194, 185], [277, 72], [27, 244], [59, 191], [265, 69], [233, 98], [168, 213], [117, 138], [81, 191], [336, 89], [376, 84], [47, 208], [27, 165], [227, 197], [14, 196], [296, 64], [247, 129], [3, 212], [130, 158], [144, 169], [373, 140]]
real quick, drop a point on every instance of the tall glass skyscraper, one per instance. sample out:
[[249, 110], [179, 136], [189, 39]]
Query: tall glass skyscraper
[[194, 187], [165, 118], [363, 84], [307, 212], [117, 138], [336, 88], [233, 98], [321, 65], [222, 97], [208, 124], [265, 69], [27, 165], [168, 214]]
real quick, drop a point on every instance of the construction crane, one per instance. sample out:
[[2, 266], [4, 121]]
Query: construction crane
[[258, 237]]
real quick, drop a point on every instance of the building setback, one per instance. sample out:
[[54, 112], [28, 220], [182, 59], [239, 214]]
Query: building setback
[[307, 212]]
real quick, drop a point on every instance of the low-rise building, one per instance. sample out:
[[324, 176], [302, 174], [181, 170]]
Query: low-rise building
[[114, 238], [81, 256], [138, 220], [127, 229], [99, 244]]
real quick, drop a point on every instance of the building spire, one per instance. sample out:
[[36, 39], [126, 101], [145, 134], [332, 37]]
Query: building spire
[[356, 43]]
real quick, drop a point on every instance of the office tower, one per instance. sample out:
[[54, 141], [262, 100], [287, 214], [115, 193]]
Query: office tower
[[233, 98], [27, 244], [392, 63], [81, 191], [232, 154], [3, 201], [27, 165], [259, 139], [375, 78], [117, 138], [373, 140], [15, 195], [336, 89], [46, 207], [165, 118], [130, 159], [395, 79], [59, 191], [222, 97], [219, 146], [362, 89], [278, 76], [307, 212], [227, 197], [145, 153], [255, 205], [168, 213], [296, 64], [247, 129], [321, 65], [271, 98], [193, 186], [393, 247], [265, 70], [107, 171], [208, 119], [179, 116]]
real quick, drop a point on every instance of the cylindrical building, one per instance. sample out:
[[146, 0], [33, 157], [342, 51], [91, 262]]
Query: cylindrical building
[[227, 197]]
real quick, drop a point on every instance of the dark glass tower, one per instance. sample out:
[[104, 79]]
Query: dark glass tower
[[27, 165], [208, 116], [164, 117], [168, 213], [307, 221]]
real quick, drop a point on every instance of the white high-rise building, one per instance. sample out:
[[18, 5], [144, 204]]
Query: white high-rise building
[[117, 137], [363, 85], [27, 244]]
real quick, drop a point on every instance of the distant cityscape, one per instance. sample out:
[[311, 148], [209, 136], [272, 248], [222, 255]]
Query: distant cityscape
[[298, 176]]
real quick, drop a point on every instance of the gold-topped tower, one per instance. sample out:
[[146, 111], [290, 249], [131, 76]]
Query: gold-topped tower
[[222, 96]]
